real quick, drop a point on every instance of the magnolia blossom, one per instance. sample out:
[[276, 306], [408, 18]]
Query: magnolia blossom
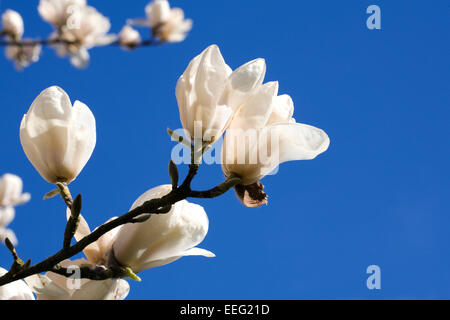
[[129, 38], [209, 93], [10, 195], [262, 135], [25, 55], [58, 12], [58, 138], [167, 24], [17, 290], [85, 29], [52, 286], [12, 23], [162, 238], [11, 191]]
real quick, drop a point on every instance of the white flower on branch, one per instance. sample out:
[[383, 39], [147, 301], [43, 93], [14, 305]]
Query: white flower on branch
[[58, 12], [17, 290], [11, 191], [24, 55], [129, 38], [267, 135], [209, 93], [167, 24], [163, 238], [58, 138], [86, 29], [10, 195], [12, 24], [52, 286]]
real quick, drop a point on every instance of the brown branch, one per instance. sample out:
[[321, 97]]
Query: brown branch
[[159, 206], [50, 42]]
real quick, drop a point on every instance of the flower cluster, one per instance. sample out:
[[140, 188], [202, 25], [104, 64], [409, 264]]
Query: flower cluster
[[59, 137], [79, 27], [261, 132]]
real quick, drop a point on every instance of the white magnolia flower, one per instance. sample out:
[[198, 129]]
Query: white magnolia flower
[[10, 195], [88, 29], [58, 12], [262, 135], [25, 55], [209, 93], [11, 191], [52, 286], [17, 290], [163, 238], [129, 38], [58, 138], [12, 23], [167, 24]]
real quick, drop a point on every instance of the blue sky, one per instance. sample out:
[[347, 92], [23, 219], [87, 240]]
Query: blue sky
[[377, 196]]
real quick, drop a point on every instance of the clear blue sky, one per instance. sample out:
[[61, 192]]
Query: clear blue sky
[[379, 195]]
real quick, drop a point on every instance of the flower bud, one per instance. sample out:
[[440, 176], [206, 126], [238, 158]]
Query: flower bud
[[209, 93], [163, 238], [12, 24], [11, 191], [58, 138], [129, 38], [158, 12]]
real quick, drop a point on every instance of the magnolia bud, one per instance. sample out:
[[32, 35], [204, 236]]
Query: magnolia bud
[[209, 93], [11, 191], [12, 24], [58, 138], [129, 38]]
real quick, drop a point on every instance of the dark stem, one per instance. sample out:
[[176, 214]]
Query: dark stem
[[159, 206]]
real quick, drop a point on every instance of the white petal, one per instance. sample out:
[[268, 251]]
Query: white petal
[[211, 76], [45, 288], [17, 290], [245, 80], [290, 142], [99, 290], [283, 109], [256, 111], [199, 252]]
